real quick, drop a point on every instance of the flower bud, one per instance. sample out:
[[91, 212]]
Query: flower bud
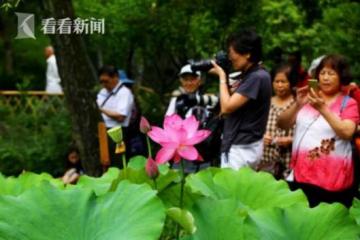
[[151, 168], [144, 125]]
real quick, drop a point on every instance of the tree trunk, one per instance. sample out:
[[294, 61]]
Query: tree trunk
[[9, 66], [8, 57], [77, 78]]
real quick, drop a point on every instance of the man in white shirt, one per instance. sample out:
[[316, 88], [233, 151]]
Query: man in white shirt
[[52, 75], [115, 102]]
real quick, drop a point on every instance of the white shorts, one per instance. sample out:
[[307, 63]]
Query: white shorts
[[243, 155]]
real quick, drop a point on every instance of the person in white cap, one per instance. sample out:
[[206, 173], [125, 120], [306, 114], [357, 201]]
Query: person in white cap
[[189, 100]]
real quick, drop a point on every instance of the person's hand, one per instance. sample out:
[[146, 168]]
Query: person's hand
[[316, 100], [302, 96], [267, 139], [283, 141], [70, 176], [217, 70]]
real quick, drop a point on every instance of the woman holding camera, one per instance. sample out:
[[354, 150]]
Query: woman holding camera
[[325, 122], [246, 110]]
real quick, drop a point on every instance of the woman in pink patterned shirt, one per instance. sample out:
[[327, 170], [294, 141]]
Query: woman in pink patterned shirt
[[325, 123]]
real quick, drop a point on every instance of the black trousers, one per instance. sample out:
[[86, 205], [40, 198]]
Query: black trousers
[[115, 158], [316, 195], [135, 145]]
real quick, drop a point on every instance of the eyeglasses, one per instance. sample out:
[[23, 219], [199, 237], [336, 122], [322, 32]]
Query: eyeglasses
[[103, 82]]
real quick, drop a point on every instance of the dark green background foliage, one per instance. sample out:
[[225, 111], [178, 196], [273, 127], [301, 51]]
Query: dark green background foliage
[[34, 142], [151, 40]]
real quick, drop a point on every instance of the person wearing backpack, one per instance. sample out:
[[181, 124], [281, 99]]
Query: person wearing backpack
[[326, 120], [116, 103]]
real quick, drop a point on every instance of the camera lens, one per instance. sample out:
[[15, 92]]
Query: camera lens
[[203, 66], [221, 59]]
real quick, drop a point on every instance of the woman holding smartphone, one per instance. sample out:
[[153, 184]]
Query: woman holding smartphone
[[325, 123]]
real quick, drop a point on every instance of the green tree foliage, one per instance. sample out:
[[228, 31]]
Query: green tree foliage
[[340, 32], [34, 142], [152, 39]]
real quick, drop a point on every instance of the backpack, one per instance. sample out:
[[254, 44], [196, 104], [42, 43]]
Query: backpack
[[134, 140], [354, 93]]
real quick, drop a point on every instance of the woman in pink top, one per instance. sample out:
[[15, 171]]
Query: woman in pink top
[[325, 123]]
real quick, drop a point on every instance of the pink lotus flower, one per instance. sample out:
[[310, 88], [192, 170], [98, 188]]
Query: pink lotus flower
[[178, 139], [151, 168], [144, 125]]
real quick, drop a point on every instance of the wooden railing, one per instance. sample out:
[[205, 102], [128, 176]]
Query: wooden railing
[[31, 101]]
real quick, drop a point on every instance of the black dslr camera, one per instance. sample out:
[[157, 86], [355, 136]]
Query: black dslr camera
[[186, 101], [221, 59]]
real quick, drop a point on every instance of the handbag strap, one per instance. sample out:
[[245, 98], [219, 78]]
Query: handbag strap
[[344, 102], [111, 94], [343, 105]]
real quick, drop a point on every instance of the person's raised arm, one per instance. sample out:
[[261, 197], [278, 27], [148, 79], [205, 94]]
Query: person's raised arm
[[228, 103], [344, 128], [287, 118]]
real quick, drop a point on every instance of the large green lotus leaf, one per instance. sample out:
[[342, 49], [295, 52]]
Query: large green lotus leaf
[[171, 196], [355, 210], [325, 222], [203, 183], [25, 181], [100, 185], [45, 212], [139, 176], [253, 189], [137, 162], [220, 219], [167, 178], [166, 175]]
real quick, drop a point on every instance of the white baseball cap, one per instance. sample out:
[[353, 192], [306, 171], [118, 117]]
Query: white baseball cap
[[187, 70]]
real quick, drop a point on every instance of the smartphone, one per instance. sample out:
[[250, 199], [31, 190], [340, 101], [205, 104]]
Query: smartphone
[[313, 83]]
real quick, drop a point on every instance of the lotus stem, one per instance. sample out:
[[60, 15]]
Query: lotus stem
[[148, 146], [124, 164], [155, 184], [182, 183]]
